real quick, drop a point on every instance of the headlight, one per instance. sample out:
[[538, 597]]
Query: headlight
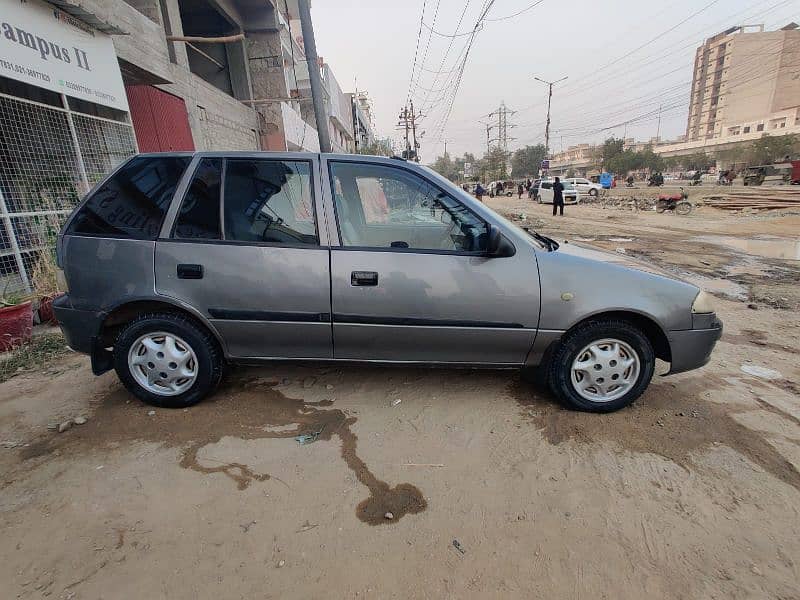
[[703, 303]]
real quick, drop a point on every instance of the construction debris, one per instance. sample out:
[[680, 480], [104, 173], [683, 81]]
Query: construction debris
[[760, 198]]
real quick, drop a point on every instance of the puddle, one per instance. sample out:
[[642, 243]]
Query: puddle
[[725, 287], [673, 420], [784, 248], [244, 408]]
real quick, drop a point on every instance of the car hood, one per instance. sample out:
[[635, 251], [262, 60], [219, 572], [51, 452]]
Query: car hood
[[593, 253]]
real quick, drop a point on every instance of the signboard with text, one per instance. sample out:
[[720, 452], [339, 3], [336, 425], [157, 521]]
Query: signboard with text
[[46, 47]]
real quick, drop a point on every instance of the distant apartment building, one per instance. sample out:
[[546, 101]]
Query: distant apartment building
[[745, 81]]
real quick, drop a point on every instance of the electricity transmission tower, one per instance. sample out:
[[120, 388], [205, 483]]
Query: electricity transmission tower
[[503, 126]]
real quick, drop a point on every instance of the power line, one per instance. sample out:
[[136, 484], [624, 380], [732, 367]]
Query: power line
[[416, 50], [516, 14]]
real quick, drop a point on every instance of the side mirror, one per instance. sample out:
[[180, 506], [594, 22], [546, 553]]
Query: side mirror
[[498, 245]]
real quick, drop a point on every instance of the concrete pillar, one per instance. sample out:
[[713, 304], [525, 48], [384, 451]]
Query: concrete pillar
[[239, 70], [265, 62]]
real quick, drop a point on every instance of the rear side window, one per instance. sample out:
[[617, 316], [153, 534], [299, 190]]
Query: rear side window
[[199, 214], [269, 201], [132, 204]]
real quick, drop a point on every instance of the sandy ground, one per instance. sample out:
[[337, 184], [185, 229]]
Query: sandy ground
[[691, 493]]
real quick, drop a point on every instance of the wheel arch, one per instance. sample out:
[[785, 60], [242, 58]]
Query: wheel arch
[[125, 312], [648, 325], [543, 350]]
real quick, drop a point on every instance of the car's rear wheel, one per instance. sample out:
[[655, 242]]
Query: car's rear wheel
[[602, 366], [167, 360]]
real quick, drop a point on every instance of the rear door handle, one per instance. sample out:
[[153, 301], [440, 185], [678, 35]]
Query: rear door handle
[[190, 271], [366, 278]]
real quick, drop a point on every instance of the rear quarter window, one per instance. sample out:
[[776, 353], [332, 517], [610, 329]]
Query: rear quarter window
[[133, 202]]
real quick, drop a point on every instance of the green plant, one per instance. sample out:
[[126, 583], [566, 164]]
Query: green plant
[[33, 355], [45, 274]]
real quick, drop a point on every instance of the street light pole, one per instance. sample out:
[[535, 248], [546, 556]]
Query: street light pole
[[313, 74], [550, 85]]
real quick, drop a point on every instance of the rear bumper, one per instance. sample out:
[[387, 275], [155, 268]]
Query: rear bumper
[[80, 327], [691, 348]]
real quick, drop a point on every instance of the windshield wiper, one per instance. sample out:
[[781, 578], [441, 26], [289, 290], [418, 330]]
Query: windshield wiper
[[549, 243]]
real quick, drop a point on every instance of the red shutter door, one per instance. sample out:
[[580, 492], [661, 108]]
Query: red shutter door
[[160, 120]]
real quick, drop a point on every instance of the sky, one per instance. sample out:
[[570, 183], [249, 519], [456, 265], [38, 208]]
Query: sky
[[622, 59]]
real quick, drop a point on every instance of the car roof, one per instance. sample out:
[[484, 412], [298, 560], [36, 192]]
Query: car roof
[[283, 154]]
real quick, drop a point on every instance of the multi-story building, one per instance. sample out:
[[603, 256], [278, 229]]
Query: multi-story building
[[745, 81], [363, 124], [578, 159]]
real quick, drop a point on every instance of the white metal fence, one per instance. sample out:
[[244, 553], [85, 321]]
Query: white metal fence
[[49, 158]]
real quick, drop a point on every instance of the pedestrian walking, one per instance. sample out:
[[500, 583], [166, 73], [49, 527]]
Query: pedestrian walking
[[479, 192], [520, 189], [558, 196]]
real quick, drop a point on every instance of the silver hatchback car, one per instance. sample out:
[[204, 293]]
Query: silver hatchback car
[[179, 263]]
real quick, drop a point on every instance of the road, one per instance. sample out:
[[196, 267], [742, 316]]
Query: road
[[494, 490]]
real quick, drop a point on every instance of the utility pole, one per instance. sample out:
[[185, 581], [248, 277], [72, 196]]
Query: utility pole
[[550, 85], [414, 132], [313, 73], [658, 130], [407, 120], [403, 122]]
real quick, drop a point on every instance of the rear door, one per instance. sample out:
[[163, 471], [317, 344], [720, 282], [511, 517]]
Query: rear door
[[243, 248], [411, 281], [546, 192]]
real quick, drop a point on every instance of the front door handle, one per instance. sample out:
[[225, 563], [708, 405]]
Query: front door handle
[[367, 278], [190, 271]]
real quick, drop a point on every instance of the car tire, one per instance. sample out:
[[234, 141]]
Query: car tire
[[204, 362], [605, 335], [593, 192]]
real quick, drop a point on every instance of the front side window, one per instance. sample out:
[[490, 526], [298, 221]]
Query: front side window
[[386, 207], [199, 214], [133, 202], [269, 201]]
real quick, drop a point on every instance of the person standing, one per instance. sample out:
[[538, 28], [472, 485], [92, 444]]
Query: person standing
[[520, 189], [558, 196]]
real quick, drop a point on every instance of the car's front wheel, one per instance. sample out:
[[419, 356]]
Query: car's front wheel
[[602, 366], [593, 192], [167, 360]]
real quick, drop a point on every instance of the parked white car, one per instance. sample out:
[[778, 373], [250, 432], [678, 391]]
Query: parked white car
[[585, 186], [545, 194]]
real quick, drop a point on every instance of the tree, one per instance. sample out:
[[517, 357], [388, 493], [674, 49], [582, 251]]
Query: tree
[[380, 147], [445, 167], [526, 161], [647, 159], [496, 164], [772, 148], [699, 161], [610, 149]]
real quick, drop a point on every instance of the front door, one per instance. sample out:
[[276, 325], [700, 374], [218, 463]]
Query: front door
[[411, 281], [245, 251]]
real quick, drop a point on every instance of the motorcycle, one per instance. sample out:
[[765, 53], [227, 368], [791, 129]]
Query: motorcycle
[[678, 203]]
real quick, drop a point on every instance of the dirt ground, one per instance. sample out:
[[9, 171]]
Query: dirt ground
[[495, 490]]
